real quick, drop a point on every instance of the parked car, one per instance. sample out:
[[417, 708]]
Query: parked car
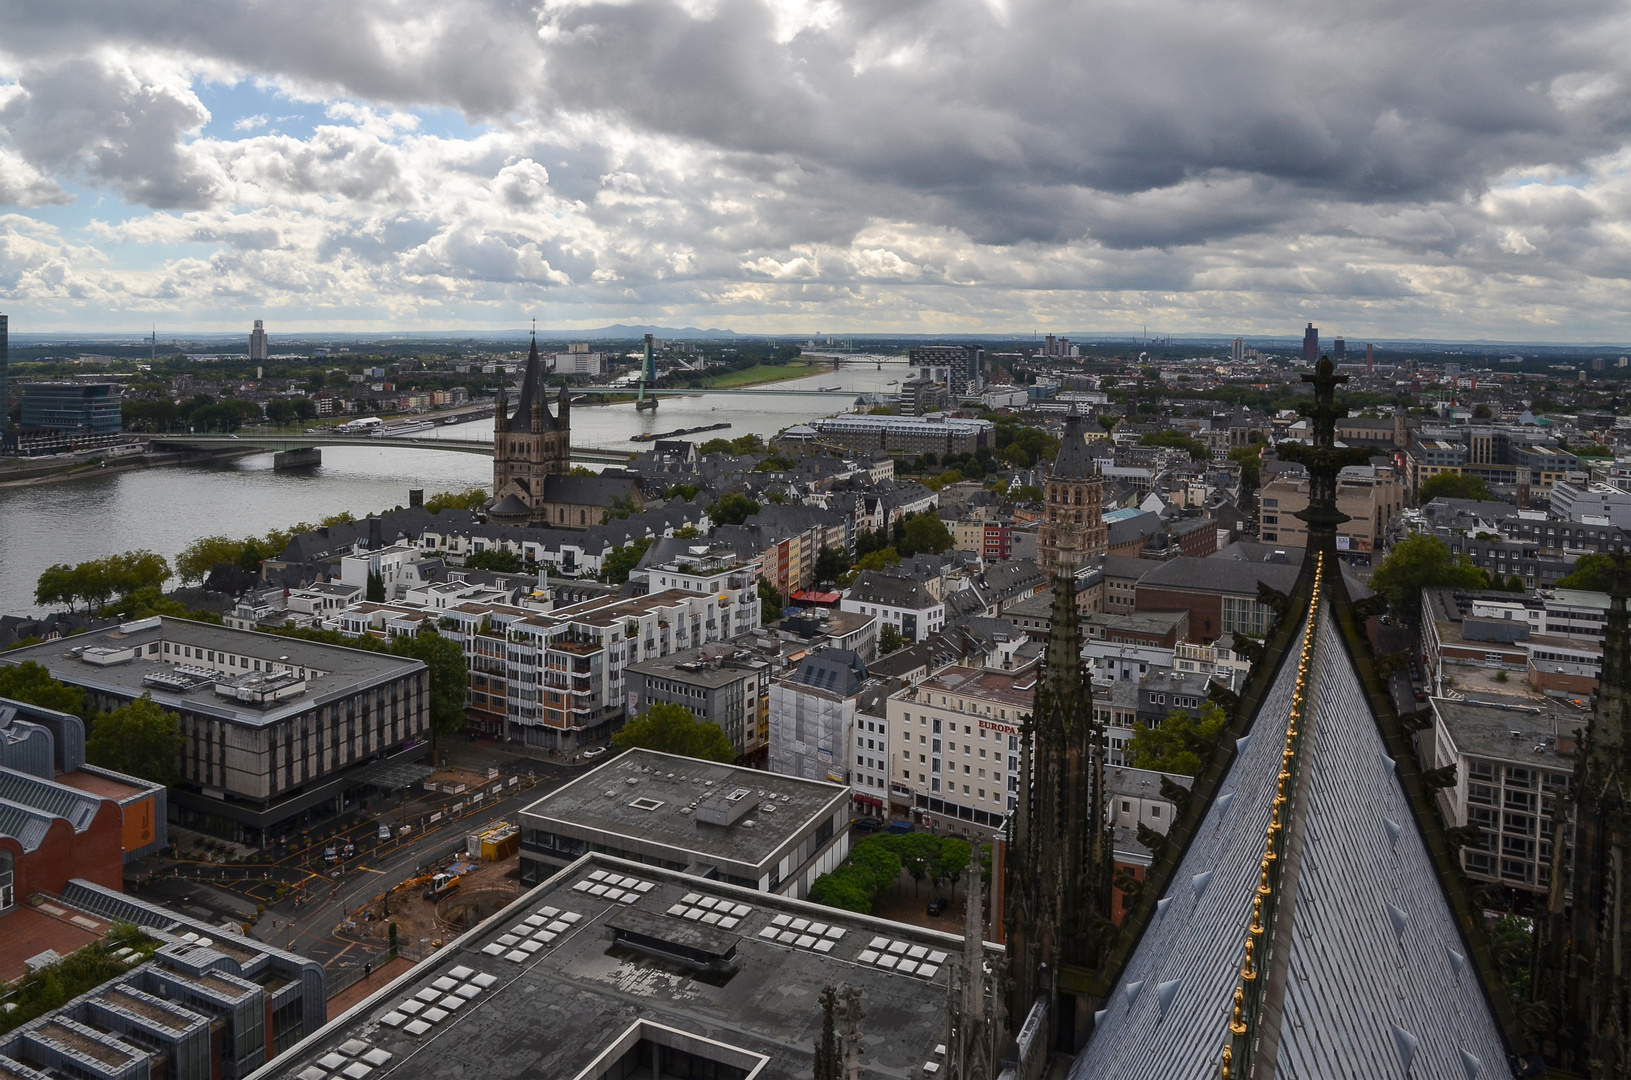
[[899, 828], [1421, 695], [329, 854], [593, 752], [384, 832], [865, 825], [938, 906]]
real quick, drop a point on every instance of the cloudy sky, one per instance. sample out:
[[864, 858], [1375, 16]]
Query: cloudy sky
[[1386, 168]]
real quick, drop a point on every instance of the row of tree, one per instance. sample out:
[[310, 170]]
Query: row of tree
[[874, 867], [97, 582]]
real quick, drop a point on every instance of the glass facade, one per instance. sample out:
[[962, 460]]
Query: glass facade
[[87, 407]]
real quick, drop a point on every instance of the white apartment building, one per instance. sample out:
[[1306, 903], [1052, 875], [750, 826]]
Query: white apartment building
[[955, 739], [912, 607], [559, 676], [1592, 504]]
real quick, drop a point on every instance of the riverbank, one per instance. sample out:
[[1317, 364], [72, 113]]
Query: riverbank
[[33, 472], [759, 374]]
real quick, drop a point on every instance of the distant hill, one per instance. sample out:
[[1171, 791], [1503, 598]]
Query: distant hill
[[620, 330]]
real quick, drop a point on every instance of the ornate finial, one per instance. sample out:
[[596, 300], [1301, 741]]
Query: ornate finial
[[535, 328], [1237, 1024]]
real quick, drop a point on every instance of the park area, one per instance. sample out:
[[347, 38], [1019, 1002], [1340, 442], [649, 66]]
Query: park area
[[894, 876]]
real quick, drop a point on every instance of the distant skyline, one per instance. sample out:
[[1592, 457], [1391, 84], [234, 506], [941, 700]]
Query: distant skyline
[[1220, 168]]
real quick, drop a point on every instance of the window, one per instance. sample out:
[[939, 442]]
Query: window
[[8, 895]]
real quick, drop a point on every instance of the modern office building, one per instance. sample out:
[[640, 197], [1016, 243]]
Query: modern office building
[[1311, 343], [207, 1004], [744, 827], [964, 364], [277, 729], [1339, 350], [257, 343], [71, 407]]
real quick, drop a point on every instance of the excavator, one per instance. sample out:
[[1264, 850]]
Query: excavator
[[437, 886]]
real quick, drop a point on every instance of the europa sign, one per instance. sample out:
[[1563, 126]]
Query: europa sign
[[992, 725]]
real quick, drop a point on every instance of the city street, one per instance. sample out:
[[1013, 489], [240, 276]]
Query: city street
[[306, 899]]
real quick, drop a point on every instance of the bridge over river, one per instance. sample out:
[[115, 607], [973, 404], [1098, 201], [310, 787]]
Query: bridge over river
[[285, 443]]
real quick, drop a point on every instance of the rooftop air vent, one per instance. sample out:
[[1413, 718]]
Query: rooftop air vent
[[644, 803]]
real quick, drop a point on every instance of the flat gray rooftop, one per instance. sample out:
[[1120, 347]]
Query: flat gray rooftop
[[690, 668], [1485, 729], [341, 671], [617, 798], [541, 989]]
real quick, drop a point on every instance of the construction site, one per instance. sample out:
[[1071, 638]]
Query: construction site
[[450, 895]]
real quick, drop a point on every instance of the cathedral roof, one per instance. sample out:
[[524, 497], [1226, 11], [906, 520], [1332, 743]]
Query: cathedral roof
[[1074, 462], [1377, 965], [532, 390], [1308, 918]]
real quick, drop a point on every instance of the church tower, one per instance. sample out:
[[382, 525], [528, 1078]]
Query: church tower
[[1059, 863], [1072, 532], [529, 446]]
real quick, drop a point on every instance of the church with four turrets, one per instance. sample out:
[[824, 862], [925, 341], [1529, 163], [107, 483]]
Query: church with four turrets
[[532, 462]]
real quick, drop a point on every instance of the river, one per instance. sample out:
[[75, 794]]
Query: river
[[165, 509]]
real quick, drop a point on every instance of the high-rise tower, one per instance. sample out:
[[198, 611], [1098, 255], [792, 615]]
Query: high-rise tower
[[257, 342], [1072, 532], [1311, 344]]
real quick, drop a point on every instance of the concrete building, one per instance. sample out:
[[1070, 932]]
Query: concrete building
[[911, 607], [956, 746], [812, 716], [1370, 495], [741, 827], [939, 435], [278, 730], [257, 343], [964, 364], [205, 1003], [1511, 760], [585, 1000], [1596, 504], [725, 686], [560, 675], [577, 362]]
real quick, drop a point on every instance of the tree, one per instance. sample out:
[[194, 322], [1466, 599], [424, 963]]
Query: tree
[[682, 492], [1592, 572], [733, 509], [1481, 411], [615, 570], [952, 860], [1196, 449], [468, 499], [889, 640], [32, 683], [618, 509], [770, 602], [831, 564], [1180, 743], [141, 739], [1453, 486], [497, 560], [1418, 562], [443, 658], [674, 729], [1251, 466], [98, 581], [376, 588], [926, 534]]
